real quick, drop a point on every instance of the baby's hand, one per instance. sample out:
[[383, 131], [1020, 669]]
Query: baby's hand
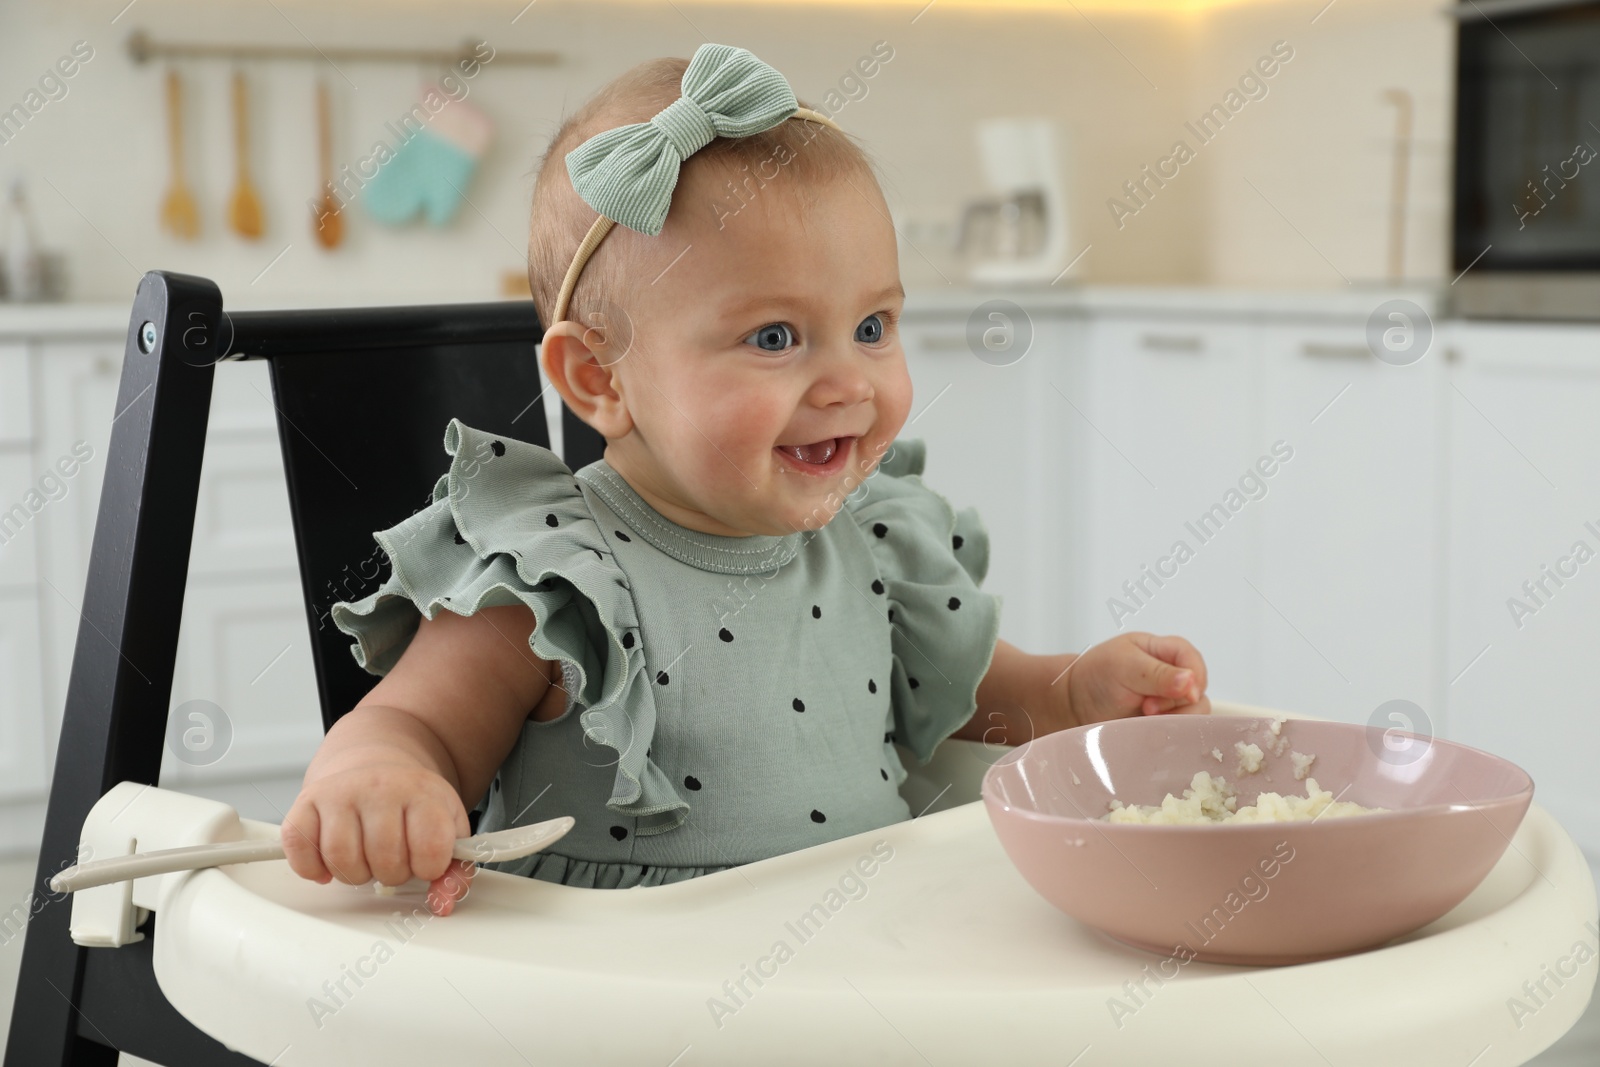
[[1137, 673], [385, 821]]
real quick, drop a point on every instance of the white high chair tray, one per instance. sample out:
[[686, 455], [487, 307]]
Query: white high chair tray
[[941, 955]]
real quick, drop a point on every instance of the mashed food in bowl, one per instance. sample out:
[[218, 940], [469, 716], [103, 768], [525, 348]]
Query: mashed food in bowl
[[1211, 800]]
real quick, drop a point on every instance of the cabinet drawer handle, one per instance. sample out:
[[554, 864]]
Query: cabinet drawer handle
[[1321, 351], [1168, 342]]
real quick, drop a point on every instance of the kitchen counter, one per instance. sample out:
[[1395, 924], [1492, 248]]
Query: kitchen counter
[[67, 319], [1186, 301]]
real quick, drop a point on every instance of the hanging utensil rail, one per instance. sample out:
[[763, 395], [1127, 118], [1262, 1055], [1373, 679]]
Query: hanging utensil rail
[[142, 47]]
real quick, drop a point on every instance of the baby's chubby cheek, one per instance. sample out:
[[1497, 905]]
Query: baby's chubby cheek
[[722, 450]]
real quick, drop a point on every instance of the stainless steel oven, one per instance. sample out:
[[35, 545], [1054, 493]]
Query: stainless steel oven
[[1526, 214]]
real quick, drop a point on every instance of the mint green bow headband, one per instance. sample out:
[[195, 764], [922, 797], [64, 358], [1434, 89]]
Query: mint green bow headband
[[627, 174]]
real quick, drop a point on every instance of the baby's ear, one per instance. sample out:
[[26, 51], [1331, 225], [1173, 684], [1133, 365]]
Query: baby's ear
[[575, 360]]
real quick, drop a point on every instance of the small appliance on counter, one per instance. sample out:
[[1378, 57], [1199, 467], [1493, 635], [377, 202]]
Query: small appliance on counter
[[1020, 233]]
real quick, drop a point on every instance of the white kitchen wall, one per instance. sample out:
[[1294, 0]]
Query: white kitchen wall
[[1121, 86]]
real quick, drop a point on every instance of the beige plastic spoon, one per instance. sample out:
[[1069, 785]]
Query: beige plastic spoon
[[480, 848]]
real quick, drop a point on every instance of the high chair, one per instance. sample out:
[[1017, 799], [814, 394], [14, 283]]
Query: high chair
[[918, 943], [364, 389]]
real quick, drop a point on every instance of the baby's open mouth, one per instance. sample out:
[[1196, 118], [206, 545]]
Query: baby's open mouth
[[818, 453], [819, 456]]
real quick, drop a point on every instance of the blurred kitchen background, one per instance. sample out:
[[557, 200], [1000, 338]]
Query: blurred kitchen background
[[1373, 268]]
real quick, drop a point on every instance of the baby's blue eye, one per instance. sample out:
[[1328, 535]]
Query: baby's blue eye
[[773, 337], [870, 330]]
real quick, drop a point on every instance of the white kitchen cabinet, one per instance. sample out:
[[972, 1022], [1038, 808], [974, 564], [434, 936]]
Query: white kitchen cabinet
[[242, 523], [16, 411], [76, 399], [244, 648], [997, 441], [1349, 567], [22, 770], [1171, 424], [18, 522], [1524, 493]]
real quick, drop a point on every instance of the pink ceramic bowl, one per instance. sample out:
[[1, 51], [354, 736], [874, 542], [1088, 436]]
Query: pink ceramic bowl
[[1264, 893]]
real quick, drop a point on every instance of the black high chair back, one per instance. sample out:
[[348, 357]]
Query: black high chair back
[[362, 396]]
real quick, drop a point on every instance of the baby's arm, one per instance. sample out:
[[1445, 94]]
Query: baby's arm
[[1025, 696], [386, 795]]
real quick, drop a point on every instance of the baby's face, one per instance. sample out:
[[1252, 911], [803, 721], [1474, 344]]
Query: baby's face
[[765, 379]]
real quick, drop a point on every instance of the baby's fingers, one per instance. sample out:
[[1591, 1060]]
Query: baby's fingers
[[299, 833], [431, 833], [1160, 705], [447, 890], [1152, 677], [383, 843], [1180, 653], [1165, 706]]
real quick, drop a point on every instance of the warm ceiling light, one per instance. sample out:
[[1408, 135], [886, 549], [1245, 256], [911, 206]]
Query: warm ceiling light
[[1104, 7]]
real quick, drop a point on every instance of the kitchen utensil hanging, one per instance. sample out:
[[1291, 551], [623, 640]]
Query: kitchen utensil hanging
[[327, 224], [244, 209], [179, 215]]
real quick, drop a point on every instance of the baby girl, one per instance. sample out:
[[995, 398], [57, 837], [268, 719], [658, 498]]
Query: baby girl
[[706, 646]]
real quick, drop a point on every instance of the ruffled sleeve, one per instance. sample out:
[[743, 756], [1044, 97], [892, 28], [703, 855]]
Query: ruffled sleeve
[[509, 524], [944, 630]]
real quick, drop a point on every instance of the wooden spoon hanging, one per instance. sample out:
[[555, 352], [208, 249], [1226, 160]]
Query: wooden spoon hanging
[[179, 215], [244, 211], [328, 224]]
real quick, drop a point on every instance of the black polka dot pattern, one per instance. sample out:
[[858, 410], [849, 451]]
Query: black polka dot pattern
[[629, 639], [497, 447]]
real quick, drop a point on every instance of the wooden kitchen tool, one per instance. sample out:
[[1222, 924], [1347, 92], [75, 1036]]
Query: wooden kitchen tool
[[510, 844], [328, 224], [179, 215], [244, 211]]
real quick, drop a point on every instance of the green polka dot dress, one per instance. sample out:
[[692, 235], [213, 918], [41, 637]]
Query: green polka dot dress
[[729, 698]]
